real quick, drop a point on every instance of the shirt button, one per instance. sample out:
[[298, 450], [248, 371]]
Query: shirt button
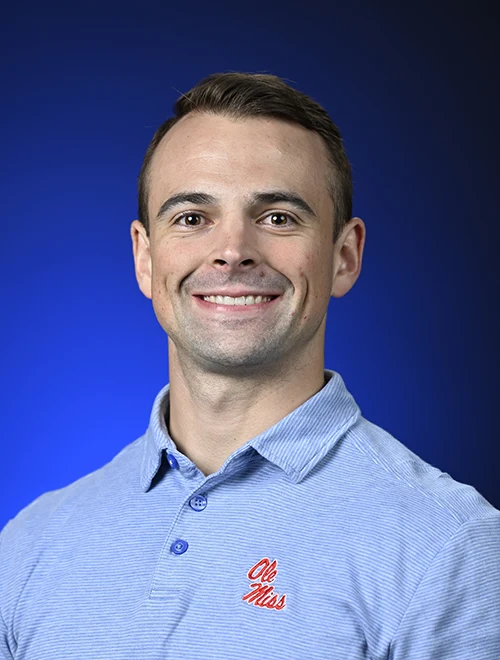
[[172, 461], [198, 502], [179, 547]]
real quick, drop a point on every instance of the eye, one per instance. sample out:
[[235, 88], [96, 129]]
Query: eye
[[279, 219], [189, 220]]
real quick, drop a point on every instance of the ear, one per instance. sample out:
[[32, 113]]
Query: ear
[[142, 257], [348, 255]]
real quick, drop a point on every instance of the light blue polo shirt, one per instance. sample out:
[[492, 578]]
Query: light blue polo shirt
[[322, 538]]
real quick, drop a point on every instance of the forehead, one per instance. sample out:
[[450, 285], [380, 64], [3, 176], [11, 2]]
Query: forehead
[[237, 156]]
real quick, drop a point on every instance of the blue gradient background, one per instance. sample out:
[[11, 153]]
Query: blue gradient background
[[413, 92]]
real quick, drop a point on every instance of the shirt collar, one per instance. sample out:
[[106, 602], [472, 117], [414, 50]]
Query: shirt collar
[[295, 444]]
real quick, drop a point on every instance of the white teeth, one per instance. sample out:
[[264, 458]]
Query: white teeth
[[240, 300]]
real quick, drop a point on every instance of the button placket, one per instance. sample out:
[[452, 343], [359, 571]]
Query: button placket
[[174, 572]]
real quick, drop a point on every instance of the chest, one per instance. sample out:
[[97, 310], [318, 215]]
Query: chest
[[202, 576]]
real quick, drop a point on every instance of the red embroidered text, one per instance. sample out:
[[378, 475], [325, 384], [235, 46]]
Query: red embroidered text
[[261, 592]]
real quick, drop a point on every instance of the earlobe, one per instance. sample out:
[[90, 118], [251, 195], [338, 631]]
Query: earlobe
[[142, 257]]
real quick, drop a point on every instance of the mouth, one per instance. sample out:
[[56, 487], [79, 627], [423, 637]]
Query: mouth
[[238, 300], [235, 304]]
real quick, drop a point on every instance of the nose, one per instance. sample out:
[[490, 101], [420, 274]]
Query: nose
[[235, 247]]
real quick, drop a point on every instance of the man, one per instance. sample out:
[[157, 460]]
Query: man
[[260, 515]]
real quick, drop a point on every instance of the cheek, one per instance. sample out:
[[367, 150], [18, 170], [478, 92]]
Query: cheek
[[170, 266], [316, 266], [308, 270], [318, 271]]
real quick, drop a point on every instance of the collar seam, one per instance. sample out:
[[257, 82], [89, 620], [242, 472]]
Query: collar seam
[[335, 436]]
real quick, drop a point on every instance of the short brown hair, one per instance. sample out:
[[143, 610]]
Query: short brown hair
[[244, 95]]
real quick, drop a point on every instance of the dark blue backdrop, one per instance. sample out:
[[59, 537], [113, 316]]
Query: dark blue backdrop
[[84, 87]]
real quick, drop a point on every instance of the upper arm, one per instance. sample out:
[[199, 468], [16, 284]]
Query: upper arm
[[5, 651], [455, 611]]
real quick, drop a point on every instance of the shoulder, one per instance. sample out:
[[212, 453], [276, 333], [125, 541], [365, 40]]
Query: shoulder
[[393, 500], [410, 480], [409, 531], [24, 537], [398, 502], [36, 515]]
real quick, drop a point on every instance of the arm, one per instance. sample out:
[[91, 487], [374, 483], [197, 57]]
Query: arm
[[455, 611], [5, 653]]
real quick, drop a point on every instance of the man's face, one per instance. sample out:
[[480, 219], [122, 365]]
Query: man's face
[[229, 217]]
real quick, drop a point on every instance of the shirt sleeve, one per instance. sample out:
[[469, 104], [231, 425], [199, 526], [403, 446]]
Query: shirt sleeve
[[5, 653], [455, 611]]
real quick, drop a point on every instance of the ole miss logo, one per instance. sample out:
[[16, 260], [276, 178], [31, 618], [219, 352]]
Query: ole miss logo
[[261, 592]]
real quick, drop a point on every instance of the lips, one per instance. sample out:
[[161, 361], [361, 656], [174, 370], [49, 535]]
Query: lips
[[236, 293], [240, 300], [235, 304]]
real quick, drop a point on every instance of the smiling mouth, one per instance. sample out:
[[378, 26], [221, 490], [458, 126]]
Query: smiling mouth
[[240, 300]]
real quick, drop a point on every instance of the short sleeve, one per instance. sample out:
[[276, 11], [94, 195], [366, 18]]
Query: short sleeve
[[455, 611], [5, 653]]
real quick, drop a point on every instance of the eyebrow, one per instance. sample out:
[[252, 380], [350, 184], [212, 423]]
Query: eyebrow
[[279, 196], [197, 198], [256, 199]]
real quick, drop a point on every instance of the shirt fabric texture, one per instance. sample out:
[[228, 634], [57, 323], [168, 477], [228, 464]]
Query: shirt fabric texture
[[322, 538]]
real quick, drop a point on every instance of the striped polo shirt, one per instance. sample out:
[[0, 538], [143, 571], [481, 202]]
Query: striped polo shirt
[[321, 538]]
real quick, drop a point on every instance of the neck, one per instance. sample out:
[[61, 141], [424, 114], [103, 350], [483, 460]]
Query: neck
[[212, 414]]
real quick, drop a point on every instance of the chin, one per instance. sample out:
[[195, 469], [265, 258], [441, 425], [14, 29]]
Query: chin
[[237, 363]]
